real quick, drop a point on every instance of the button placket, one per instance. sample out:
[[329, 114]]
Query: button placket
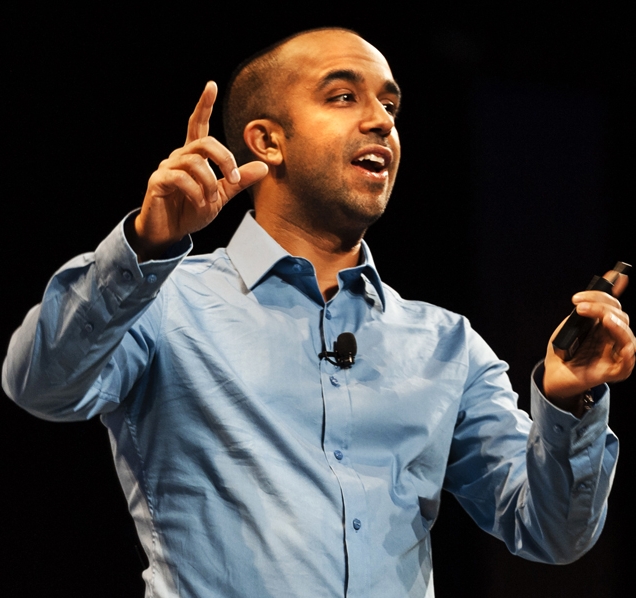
[[337, 441]]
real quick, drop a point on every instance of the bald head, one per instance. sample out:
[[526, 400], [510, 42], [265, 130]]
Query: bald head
[[254, 90]]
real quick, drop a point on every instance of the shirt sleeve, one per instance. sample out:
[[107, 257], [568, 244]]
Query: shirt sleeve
[[60, 353], [540, 486]]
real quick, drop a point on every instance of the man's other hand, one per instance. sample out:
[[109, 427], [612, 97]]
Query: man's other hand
[[607, 355]]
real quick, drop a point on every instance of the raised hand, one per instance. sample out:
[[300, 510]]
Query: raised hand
[[184, 195], [607, 355]]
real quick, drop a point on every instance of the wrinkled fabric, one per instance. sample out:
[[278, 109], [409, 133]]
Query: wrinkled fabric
[[254, 468]]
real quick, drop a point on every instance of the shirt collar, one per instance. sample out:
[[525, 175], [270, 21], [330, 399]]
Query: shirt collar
[[254, 254]]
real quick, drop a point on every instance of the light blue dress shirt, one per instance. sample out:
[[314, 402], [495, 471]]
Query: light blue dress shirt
[[254, 469]]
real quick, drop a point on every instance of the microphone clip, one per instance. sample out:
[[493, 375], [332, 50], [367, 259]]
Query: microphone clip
[[344, 351]]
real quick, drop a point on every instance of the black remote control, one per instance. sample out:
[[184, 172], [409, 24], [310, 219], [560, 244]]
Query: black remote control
[[577, 327]]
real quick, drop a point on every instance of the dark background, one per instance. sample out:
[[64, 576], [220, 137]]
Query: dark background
[[515, 187]]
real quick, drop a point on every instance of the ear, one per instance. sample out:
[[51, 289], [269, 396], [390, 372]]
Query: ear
[[264, 138]]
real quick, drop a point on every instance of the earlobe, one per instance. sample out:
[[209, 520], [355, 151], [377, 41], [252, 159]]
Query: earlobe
[[263, 138]]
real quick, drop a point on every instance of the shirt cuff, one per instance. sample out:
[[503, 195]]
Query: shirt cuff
[[118, 269], [561, 429]]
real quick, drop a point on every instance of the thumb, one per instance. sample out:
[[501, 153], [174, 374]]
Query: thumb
[[251, 173]]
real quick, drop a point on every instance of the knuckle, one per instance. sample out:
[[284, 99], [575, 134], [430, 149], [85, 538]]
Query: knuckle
[[155, 178], [206, 141], [180, 177], [229, 160]]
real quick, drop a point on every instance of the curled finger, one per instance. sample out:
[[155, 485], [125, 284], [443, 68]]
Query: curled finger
[[215, 151], [180, 180], [199, 170]]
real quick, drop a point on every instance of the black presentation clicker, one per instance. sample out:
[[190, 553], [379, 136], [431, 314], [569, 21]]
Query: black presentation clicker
[[577, 327]]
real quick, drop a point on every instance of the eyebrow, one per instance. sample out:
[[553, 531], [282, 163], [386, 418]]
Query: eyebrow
[[390, 85]]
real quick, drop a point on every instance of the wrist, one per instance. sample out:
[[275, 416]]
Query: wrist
[[144, 248], [576, 403]]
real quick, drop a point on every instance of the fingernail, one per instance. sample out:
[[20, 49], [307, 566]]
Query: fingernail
[[615, 320], [582, 307], [235, 176], [577, 297], [215, 196]]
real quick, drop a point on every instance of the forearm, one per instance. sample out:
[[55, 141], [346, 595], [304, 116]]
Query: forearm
[[570, 466], [539, 486], [64, 343]]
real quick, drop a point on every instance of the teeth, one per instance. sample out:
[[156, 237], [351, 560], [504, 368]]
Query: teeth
[[372, 158]]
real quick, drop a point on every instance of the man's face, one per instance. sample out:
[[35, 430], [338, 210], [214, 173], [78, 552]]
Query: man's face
[[343, 155]]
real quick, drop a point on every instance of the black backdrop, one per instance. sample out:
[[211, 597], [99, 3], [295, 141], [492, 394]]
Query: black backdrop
[[514, 189]]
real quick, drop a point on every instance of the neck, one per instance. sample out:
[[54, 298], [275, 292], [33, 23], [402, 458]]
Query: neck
[[329, 252]]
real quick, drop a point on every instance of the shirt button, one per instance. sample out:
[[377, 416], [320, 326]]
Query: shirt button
[[338, 455], [558, 428], [297, 268], [334, 380], [152, 278], [126, 275], [328, 315], [582, 486], [88, 327], [357, 524]]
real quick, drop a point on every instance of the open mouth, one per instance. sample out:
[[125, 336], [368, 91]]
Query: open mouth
[[371, 162]]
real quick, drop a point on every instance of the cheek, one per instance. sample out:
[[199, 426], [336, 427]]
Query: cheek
[[395, 142], [315, 154], [397, 153]]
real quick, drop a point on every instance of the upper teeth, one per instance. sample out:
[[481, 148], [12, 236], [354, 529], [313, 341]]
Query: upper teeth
[[373, 158]]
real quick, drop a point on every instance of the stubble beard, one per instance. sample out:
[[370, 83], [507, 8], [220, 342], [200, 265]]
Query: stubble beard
[[334, 206]]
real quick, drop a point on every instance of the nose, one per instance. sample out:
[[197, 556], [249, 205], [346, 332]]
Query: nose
[[376, 119]]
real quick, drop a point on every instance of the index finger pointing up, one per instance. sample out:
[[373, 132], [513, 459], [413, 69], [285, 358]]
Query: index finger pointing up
[[199, 123]]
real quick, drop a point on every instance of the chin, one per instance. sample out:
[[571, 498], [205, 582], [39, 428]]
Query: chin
[[362, 214]]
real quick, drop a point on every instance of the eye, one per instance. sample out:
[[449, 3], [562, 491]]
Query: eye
[[391, 108], [343, 97]]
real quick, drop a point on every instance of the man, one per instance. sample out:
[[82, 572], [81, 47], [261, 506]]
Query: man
[[253, 465]]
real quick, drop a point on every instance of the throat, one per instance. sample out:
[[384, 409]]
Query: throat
[[328, 291]]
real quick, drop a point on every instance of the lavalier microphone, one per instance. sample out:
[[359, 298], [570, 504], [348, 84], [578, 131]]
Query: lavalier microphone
[[344, 351]]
